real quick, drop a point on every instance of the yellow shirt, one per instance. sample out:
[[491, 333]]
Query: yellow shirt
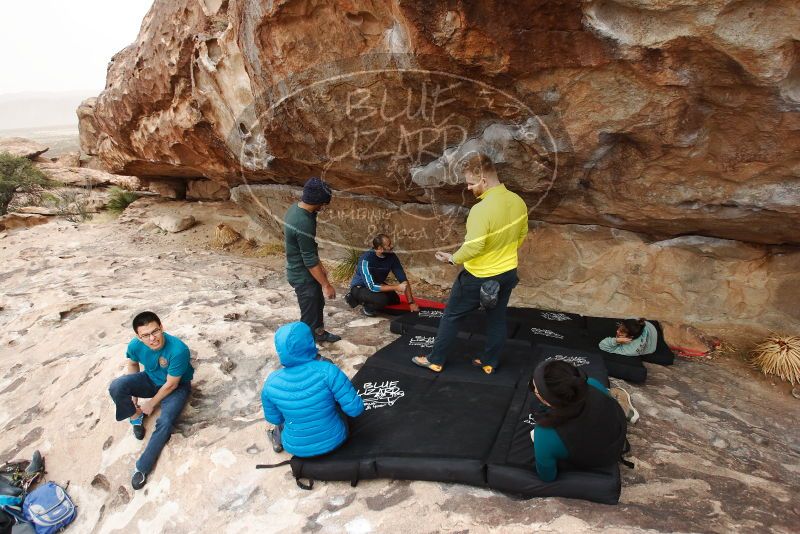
[[496, 228]]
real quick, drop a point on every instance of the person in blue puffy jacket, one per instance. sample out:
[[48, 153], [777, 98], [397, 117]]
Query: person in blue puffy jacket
[[306, 398]]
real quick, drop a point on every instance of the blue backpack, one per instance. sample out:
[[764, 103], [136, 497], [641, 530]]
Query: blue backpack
[[49, 508]]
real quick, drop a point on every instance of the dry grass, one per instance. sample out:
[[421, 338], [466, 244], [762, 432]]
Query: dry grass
[[780, 356], [224, 236], [270, 249]]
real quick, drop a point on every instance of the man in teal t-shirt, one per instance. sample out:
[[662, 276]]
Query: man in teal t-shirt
[[166, 381]]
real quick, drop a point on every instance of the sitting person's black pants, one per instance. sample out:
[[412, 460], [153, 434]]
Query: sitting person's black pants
[[373, 300]]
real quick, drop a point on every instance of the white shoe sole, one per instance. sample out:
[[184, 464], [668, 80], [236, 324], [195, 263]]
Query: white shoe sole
[[627, 404]]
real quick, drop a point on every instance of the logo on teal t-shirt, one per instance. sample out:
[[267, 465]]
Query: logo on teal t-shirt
[[172, 359]]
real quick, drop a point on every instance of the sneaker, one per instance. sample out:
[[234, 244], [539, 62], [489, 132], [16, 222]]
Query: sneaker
[[368, 312], [624, 400], [274, 435], [138, 480], [138, 427], [350, 300], [327, 337]]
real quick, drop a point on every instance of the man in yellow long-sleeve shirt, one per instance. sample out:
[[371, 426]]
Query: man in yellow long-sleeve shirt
[[496, 228]]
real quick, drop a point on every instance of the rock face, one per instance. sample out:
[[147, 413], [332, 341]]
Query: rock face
[[76, 176], [174, 223], [13, 221], [734, 290], [21, 147], [207, 190], [665, 117]]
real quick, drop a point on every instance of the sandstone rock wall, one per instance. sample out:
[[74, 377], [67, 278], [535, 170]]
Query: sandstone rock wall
[[666, 117], [730, 289]]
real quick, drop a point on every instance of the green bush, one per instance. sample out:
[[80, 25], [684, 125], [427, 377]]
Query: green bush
[[19, 175], [120, 199]]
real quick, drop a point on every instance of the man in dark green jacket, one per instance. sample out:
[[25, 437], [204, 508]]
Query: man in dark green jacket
[[305, 272]]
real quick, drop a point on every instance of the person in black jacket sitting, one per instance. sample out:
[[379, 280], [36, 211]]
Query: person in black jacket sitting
[[368, 286], [579, 422]]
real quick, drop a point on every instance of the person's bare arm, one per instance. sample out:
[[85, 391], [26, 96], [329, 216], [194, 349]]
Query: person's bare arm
[[169, 386], [413, 306]]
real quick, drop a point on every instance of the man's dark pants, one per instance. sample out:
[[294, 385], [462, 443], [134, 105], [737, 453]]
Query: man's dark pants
[[140, 385], [312, 302], [374, 300], [464, 299]]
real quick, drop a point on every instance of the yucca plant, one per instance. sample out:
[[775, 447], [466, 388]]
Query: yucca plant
[[780, 356], [119, 199], [346, 267]]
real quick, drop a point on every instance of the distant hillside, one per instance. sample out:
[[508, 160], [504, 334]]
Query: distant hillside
[[40, 109]]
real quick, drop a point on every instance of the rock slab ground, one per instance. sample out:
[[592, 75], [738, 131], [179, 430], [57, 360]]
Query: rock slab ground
[[716, 450]]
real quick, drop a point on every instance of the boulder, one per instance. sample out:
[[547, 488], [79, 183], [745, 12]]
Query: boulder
[[70, 159], [84, 177], [207, 190], [22, 148], [13, 221], [173, 189], [174, 223], [88, 127], [662, 117]]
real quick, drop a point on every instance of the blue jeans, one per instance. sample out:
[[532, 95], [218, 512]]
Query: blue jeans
[[465, 297], [140, 385]]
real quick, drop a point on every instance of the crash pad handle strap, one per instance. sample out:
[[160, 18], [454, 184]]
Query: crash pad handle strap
[[626, 463], [270, 466], [302, 485]]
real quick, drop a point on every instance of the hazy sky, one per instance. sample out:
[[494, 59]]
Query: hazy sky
[[62, 45]]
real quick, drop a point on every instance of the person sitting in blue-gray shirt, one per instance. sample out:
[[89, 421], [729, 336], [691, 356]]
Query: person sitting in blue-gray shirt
[[633, 338], [368, 286], [166, 381], [579, 422]]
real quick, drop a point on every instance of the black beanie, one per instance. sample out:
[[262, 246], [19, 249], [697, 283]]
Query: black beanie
[[316, 192]]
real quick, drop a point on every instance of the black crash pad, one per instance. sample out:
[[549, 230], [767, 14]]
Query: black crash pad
[[457, 426], [599, 328], [472, 326]]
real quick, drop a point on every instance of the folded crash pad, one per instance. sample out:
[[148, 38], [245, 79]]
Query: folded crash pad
[[460, 425], [403, 306]]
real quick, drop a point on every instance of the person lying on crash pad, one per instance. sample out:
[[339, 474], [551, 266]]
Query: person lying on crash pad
[[579, 422], [307, 397], [634, 338]]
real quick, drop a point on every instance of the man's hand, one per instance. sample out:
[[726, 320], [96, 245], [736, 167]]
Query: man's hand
[[401, 287], [444, 256], [413, 307], [329, 291], [623, 339], [147, 407]]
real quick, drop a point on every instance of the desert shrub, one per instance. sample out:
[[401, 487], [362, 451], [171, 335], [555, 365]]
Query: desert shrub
[[19, 175], [119, 199], [780, 356], [72, 204]]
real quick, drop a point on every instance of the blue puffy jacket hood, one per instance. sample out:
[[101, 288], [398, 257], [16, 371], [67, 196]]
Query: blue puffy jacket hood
[[295, 344]]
